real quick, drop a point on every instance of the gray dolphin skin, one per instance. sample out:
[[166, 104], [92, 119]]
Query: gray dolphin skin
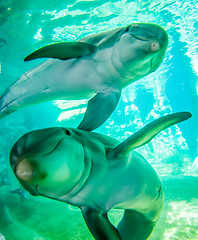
[[95, 173], [96, 67]]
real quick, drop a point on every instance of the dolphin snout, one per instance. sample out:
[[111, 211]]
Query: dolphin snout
[[24, 170], [27, 174]]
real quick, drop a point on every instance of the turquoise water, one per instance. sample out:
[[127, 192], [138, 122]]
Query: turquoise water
[[29, 25]]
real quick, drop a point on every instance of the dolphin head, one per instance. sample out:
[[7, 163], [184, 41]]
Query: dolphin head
[[48, 162], [140, 49]]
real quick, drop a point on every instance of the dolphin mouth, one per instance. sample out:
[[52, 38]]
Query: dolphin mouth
[[58, 143], [141, 32], [139, 37], [37, 191], [34, 192]]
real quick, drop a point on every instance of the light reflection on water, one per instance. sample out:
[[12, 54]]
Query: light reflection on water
[[182, 220]]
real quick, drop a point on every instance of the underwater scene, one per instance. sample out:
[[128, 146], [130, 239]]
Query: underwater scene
[[126, 70]]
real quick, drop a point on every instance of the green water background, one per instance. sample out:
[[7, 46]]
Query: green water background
[[28, 25]]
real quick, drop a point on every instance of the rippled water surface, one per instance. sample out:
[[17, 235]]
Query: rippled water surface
[[28, 25]]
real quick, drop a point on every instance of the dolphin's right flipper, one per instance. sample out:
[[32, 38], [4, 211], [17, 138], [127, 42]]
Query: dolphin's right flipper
[[99, 225], [99, 108]]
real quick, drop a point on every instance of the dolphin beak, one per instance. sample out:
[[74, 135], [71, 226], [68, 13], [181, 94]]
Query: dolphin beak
[[24, 170], [152, 32], [26, 174]]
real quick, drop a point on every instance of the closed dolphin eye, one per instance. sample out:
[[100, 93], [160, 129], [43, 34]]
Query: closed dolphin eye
[[154, 46]]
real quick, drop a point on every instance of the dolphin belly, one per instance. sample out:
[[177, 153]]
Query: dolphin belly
[[134, 185]]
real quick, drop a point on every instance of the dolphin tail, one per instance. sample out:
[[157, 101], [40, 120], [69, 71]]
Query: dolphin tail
[[8, 103], [4, 111], [24, 92], [135, 226]]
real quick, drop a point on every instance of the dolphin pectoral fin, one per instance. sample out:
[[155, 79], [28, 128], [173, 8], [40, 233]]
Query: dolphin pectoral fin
[[99, 225], [134, 226], [147, 133], [99, 108], [63, 51]]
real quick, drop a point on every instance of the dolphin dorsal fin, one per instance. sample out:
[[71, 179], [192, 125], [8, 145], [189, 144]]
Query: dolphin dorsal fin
[[63, 51], [148, 132]]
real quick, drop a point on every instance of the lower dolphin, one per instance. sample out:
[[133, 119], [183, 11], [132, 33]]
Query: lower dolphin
[[95, 173]]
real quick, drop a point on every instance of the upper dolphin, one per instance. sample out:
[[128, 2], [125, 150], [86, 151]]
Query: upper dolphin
[[97, 67]]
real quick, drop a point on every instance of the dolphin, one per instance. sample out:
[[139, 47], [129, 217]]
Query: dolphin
[[95, 173], [96, 67]]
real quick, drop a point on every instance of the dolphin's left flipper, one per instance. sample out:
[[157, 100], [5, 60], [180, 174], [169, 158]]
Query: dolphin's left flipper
[[147, 133], [63, 51], [99, 225], [99, 108]]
